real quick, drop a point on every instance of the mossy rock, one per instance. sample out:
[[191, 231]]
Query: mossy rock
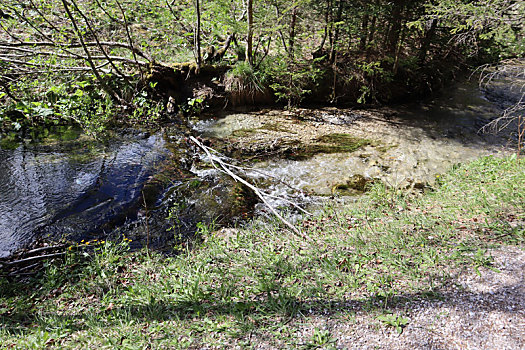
[[244, 132], [221, 199], [9, 141], [356, 184], [330, 143]]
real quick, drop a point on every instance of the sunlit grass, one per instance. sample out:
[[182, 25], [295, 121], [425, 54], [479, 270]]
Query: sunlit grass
[[391, 246]]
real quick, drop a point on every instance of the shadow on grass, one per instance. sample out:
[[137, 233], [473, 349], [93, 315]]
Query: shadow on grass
[[265, 310]]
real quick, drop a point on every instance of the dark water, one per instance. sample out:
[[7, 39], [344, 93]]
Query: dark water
[[48, 191]]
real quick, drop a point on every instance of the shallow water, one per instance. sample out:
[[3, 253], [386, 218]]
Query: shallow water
[[82, 189], [412, 144]]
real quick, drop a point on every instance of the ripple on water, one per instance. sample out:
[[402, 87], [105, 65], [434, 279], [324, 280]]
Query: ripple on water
[[411, 143], [48, 192]]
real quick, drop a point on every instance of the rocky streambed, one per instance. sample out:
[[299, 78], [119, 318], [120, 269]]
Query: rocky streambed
[[331, 151], [155, 188]]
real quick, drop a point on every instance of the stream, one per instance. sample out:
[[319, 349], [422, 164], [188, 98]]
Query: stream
[[153, 189]]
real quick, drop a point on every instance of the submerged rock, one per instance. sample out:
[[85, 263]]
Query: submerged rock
[[356, 184]]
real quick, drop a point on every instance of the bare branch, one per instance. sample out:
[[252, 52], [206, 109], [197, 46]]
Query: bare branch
[[130, 41], [88, 54], [95, 36], [225, 168]]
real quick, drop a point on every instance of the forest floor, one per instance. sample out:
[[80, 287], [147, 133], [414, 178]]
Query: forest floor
[[438, 269]]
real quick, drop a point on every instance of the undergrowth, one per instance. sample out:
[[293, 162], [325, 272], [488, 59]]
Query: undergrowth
[[263, 281]]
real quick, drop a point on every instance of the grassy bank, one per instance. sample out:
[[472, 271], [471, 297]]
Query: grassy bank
[[240, 285]]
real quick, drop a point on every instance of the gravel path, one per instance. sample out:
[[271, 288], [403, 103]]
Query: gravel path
[[484, 311]]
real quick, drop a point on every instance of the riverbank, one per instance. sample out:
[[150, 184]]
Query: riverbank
[[393, 262]]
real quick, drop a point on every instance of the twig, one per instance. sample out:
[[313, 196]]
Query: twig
[[31, 259], [146, 221], [95, 36], [130, 40], [109, 90], [29, 267], [44, 249]]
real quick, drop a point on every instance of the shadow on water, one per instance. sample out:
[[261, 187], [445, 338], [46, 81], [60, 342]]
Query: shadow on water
[[463, 112], [403, 146], [73, 190], [134, 185]]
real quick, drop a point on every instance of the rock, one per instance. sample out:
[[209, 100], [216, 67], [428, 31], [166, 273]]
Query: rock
[[219, 198], [356, 184]]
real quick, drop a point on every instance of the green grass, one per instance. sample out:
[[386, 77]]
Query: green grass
[[238, 285]]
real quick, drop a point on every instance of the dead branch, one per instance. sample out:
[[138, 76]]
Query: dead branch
[[31, 259], [102, 49], [45, 249], [31, 53], [512, 114], [102, 83], [224, 167], [78, 45], [130, 41]]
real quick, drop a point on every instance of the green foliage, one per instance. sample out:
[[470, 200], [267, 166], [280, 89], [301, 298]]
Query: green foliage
[[79, 101], [244, 77], [321, 339], [490, 25], [396, 321], [383, 37], [292, 82], [193, 106], [146, 109]]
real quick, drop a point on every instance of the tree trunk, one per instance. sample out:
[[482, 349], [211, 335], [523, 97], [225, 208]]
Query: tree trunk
[[395, 26], [198, 55], [427, 39], [398, 49], [319, 52], [249, 39], [371, 33], [291, 41], [364, 32], [336, 31]]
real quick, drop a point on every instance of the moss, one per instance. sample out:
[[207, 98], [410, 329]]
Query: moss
[[275, 127], [330, 143], [252, 148], [9, 141], [381, 147], [243, 132], [356, 184], [344, 142]]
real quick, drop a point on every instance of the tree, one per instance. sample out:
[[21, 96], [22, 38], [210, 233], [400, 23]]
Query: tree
[[249, 37], [198, 54]]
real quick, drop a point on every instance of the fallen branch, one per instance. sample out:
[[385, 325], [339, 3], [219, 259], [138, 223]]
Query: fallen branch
[[224, 167], [76, 45], [31, 259], [45, 249]]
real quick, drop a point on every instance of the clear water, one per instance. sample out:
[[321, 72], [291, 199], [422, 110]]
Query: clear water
[[52, 192], [84, 190], [414, 143]]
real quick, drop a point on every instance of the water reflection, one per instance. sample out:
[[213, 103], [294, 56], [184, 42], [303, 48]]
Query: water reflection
[[49, 192]]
